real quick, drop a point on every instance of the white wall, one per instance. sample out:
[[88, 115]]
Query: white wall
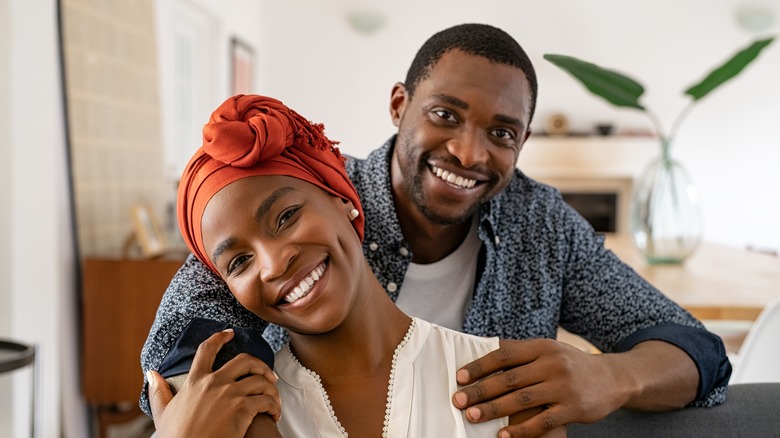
[[5, 207], [39, 249], [313, 61]]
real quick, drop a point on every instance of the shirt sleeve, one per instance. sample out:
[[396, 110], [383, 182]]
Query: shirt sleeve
[[193, 292], [706, 350]]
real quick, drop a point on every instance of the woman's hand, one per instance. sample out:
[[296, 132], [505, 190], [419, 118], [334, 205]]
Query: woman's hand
[[215, 403]]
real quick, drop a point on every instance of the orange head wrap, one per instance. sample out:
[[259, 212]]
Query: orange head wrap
[[251, 135]]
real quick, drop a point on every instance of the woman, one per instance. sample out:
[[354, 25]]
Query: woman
[[266, 204]]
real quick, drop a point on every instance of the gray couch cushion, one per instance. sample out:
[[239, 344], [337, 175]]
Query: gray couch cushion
[[750, 410]]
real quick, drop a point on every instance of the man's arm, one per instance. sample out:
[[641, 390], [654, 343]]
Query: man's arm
[[658, 356], [193, 292], [606, 302], [573, 386]]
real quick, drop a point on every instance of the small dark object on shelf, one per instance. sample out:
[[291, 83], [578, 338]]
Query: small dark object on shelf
[[604, 128]]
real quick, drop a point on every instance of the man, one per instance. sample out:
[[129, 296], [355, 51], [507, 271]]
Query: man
[[458, 236]]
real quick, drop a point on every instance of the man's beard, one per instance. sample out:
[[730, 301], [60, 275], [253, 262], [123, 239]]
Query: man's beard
[[414, 188]]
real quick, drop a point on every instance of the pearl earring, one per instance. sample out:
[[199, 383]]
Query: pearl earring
[[354, 213]]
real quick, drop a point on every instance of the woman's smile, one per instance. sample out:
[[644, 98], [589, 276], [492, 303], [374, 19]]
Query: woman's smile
[[305, 286]]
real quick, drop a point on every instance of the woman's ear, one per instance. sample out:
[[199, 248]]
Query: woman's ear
[[349, 209], [352, 212]]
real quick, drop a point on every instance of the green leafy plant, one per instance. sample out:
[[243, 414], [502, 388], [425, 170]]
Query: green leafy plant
[[623, 91]]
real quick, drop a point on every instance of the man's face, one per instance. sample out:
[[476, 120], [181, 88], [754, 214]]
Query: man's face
[[460, 136]]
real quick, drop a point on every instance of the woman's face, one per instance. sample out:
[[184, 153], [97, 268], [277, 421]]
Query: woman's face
[[287, 251]]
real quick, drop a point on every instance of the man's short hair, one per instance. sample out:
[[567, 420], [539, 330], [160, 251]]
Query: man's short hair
[[482, 40]]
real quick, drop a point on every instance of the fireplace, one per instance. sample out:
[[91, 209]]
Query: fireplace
[[602, 200]]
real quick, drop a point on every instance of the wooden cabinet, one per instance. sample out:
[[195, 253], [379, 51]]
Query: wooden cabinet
[[120, 299]]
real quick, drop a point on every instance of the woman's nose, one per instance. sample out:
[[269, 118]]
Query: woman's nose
[[275, 260]]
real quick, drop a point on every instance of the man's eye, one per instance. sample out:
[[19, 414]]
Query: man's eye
[[504, 134], [236, 263], [446, 115]]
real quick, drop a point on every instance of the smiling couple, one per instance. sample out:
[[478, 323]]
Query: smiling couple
[[417, 292]]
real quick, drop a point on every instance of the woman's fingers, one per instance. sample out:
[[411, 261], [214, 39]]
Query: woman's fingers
[[207, 352], [159, 393], [257, 385], [244, 364], [264, 404]]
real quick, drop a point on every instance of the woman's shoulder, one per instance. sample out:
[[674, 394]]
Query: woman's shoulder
[[448, 343]]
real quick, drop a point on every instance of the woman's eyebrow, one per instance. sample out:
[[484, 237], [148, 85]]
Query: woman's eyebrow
[[263, 209], [222, 247]]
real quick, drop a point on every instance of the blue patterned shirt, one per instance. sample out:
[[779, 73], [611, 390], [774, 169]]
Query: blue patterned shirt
[[541, 266]]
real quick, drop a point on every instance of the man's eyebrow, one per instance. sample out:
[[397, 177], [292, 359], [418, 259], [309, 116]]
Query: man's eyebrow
[[454, 101], [509, 120], [262, 210]]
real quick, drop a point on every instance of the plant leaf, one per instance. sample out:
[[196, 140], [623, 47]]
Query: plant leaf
[[616, 88], [728, 70]]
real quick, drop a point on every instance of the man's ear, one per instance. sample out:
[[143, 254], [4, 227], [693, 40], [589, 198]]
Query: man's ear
[[525, 138], [398, 99]]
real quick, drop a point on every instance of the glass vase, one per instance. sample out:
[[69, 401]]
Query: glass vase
[[665, 219]]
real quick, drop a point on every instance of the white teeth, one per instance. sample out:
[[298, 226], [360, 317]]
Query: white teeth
[[452, 178], [303, 288]]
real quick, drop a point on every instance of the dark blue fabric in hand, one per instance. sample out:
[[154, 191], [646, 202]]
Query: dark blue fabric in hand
[[246, 340]]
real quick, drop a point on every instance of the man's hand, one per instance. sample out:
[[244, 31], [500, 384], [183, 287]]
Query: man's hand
[[215, 404], [563, 385]]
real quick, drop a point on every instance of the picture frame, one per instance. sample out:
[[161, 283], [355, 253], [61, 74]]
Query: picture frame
[[147, 231], [242, 66]]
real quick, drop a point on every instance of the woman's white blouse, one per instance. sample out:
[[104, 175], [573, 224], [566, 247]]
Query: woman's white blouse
[[422, 383]]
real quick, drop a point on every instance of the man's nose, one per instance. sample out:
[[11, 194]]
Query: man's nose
[[469, 148]]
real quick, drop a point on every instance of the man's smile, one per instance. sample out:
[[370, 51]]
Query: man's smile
[[453, 178]]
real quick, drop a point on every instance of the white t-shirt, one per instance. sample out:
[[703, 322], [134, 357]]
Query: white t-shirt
[[423, 382], [440, 292]]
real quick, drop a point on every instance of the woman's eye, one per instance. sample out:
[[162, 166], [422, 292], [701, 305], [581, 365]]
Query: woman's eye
[[236, 263], [446, 115], [286, 216]]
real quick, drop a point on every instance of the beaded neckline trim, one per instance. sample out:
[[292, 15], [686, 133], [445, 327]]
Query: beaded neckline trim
[[390, 386]]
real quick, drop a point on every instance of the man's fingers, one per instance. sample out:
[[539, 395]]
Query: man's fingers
[[541, 422], [159, 393], [207, 352], [507, 404], [510, 354], [497, 385]]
